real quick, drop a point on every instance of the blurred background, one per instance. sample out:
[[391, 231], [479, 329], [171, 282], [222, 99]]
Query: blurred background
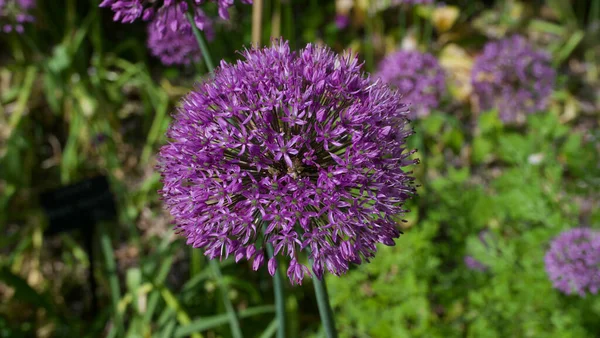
[[82, 96]]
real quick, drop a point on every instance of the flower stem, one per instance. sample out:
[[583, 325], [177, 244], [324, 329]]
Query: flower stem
[[257, 9], [324, 307], [234, 323], [203, 47], [279, 298]]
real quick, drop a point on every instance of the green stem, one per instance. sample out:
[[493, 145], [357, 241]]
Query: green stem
[[401, 22], [594, 12], [368, 43], [201, 43], [234, 323], [113, 279], [416, 24], [324, 307], [279, 298], [289, 33]]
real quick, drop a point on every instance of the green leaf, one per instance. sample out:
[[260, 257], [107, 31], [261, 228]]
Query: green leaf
[[212, 322], [24, 292]]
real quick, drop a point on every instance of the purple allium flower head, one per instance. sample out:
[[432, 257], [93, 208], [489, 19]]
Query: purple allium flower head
[[15, 13], [295, 149], [412, 2], [176, 43], [127, 11], [513, 77], [573, 261], [342, 21], [418, 77], [474, 264]]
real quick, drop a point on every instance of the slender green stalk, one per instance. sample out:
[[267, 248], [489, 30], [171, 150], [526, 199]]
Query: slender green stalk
[[594, 13], [276, 19], [234, 323], [368, 42], [201, 42], [427, 32], [416, 24], [113, 279], [279, 298], [195, 261], [324, 307], [401, 22], [257, 9], [288, 19]]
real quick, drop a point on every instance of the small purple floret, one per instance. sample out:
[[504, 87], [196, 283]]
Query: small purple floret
[[417, 76], [573, 261], [171, 39], [14, 14], [512, 77], [127, 11], [474, 264], [299, 150]]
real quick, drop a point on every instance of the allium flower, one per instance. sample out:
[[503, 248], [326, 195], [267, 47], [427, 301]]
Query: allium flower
[[342, 21], [15, 13], [513, 77], [176, 44], [412, 2], [127, 11], [295, 149], [418, 77], [573, 261], [474, 264]]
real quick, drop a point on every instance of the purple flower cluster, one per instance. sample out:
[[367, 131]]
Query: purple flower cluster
[[513, 77], [294, 149], [15, 13], [417, 76], [473, 264], [127, 11], [573, 261], [412, 2], [176, 44]]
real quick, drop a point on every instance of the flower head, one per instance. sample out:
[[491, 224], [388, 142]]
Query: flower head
[[15, 13], [298, 150], [473, 264], [573, 261], [418, 77], [513, 77], [342, 21], [411, 2], [128, 11], [175, 43]]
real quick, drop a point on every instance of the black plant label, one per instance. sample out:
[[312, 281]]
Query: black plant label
[[79, 206]]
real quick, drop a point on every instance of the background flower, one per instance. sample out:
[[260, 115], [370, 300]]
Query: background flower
[[176, 44], [418, 77], [15, 13], [127, 11], [573, 261], [512, 77], [298, 150]]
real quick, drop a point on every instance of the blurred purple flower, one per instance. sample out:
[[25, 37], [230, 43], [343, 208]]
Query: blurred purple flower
[[512, 77], [474, 264], [411, 2], [128, 11], [573, 261], [342, 21], [176, 44], [15, 13], [295, 149], [417, 76]]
